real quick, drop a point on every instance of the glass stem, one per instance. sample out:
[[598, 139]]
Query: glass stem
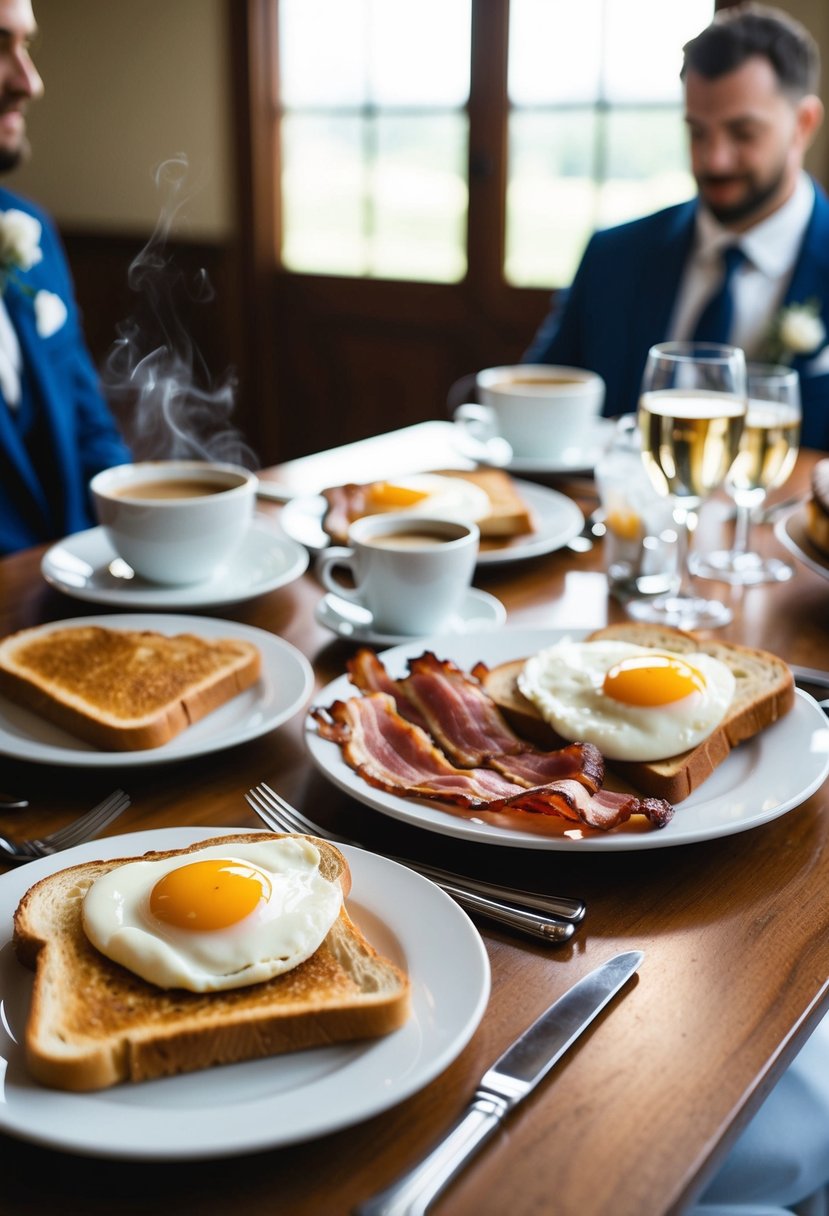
[[685, 520], [742, 524]]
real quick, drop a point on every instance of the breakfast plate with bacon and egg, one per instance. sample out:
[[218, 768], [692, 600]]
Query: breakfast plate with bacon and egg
[[550, 739], [517, 519]]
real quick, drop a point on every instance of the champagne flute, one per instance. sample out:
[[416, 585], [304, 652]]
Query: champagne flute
[[691, 415], [767, 455]]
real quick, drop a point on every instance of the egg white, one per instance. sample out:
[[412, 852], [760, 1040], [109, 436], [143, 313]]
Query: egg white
[[276, 937], [564, 682], [446, 497]]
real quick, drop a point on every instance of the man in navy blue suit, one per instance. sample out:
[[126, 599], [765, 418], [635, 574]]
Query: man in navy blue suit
[[751, 108], [55, 428]]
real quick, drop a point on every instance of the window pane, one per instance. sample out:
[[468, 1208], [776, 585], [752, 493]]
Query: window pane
[[420, 198], [644, 41], [323, 195], [385, 197], [647, 165], [619, 61], [551, 200], [420, 52], [554, 51], [329, 70]]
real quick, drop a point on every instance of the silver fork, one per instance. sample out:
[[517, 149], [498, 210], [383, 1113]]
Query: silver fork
[[552, 919], [13, 852]]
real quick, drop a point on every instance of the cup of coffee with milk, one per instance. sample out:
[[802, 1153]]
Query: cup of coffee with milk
[[409, 571], [543, 411], [175, 521]]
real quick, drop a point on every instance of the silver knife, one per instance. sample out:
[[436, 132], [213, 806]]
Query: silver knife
[[514, 1075]]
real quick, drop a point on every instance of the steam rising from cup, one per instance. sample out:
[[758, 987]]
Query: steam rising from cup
[[155, 377]]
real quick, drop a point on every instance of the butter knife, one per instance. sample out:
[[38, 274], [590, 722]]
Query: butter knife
[[514, 1075]]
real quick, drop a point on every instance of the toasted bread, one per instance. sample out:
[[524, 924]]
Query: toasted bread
[[764, 692], [509, 515], [92, 1023], [120, 689]]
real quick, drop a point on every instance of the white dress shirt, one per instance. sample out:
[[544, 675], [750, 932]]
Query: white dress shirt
[[11, 361], [771, 248]]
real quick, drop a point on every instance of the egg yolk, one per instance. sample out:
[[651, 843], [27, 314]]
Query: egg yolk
[[208, 895], [385, 494], [652, 680]]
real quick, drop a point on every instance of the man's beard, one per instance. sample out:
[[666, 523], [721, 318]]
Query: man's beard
[[10, 158], [753, 202]]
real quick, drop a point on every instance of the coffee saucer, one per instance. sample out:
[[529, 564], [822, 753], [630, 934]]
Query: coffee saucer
[[478, 612], [580, 458], [86, 567]]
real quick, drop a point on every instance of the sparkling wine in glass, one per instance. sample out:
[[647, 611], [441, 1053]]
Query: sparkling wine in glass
[[768, 450], [691, 416]]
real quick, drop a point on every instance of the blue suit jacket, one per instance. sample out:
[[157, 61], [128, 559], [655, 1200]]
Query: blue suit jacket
[[622, 299], [46, 497]]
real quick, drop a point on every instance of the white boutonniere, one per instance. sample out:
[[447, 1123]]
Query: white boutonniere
[[50, 313], [797, 330], [19, 244]]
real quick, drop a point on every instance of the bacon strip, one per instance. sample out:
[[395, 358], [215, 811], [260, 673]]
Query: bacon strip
[[393, 754], [468, 726]]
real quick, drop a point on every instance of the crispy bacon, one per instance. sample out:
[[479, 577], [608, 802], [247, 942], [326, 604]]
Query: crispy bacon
[[395, 755], [467, 725]]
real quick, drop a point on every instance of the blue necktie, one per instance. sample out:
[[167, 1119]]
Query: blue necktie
[[714, 324]]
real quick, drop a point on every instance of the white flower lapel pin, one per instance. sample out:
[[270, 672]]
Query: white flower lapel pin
[[50, 313], [19, 244], [20, 251], [798, 330]]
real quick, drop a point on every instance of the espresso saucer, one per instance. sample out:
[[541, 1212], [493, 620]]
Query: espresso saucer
[[478, 612], [85, 566], [580, 458]]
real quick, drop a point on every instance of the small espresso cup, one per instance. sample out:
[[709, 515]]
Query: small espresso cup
[[409, 571], [174, 521], [541, 410]]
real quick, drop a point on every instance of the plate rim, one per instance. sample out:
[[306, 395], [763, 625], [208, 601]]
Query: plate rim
[[537, 545], [159, 597], [327, 760], [270, 645], [813, 562], [262, 1136]]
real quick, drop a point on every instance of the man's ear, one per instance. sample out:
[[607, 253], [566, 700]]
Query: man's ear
[[809, 118]]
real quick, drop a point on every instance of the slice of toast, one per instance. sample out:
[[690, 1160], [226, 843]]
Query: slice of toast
[[509, 515], [764, 692], [120, 689], [92, 1023]]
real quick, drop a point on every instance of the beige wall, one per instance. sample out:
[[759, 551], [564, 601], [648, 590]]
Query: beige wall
[[128, 85], [815, 16]]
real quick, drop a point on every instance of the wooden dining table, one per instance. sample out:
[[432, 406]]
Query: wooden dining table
[[641, 1112]]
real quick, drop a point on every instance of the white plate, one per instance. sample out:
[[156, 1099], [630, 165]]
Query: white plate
[[557, 517], [86, 567], [479, 611], [761, 779], [791, 532], [240, 1108], [580, 459], [281, 691]]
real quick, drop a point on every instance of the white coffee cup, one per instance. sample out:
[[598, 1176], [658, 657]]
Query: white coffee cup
[[541, 410], [174, 521], [410, 572]]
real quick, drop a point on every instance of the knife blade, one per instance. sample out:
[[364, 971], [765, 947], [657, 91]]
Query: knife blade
[[513, 1075]]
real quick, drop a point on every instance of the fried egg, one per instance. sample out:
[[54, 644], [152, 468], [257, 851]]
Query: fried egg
[[215, 919], [632, 702], [430, 494]]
